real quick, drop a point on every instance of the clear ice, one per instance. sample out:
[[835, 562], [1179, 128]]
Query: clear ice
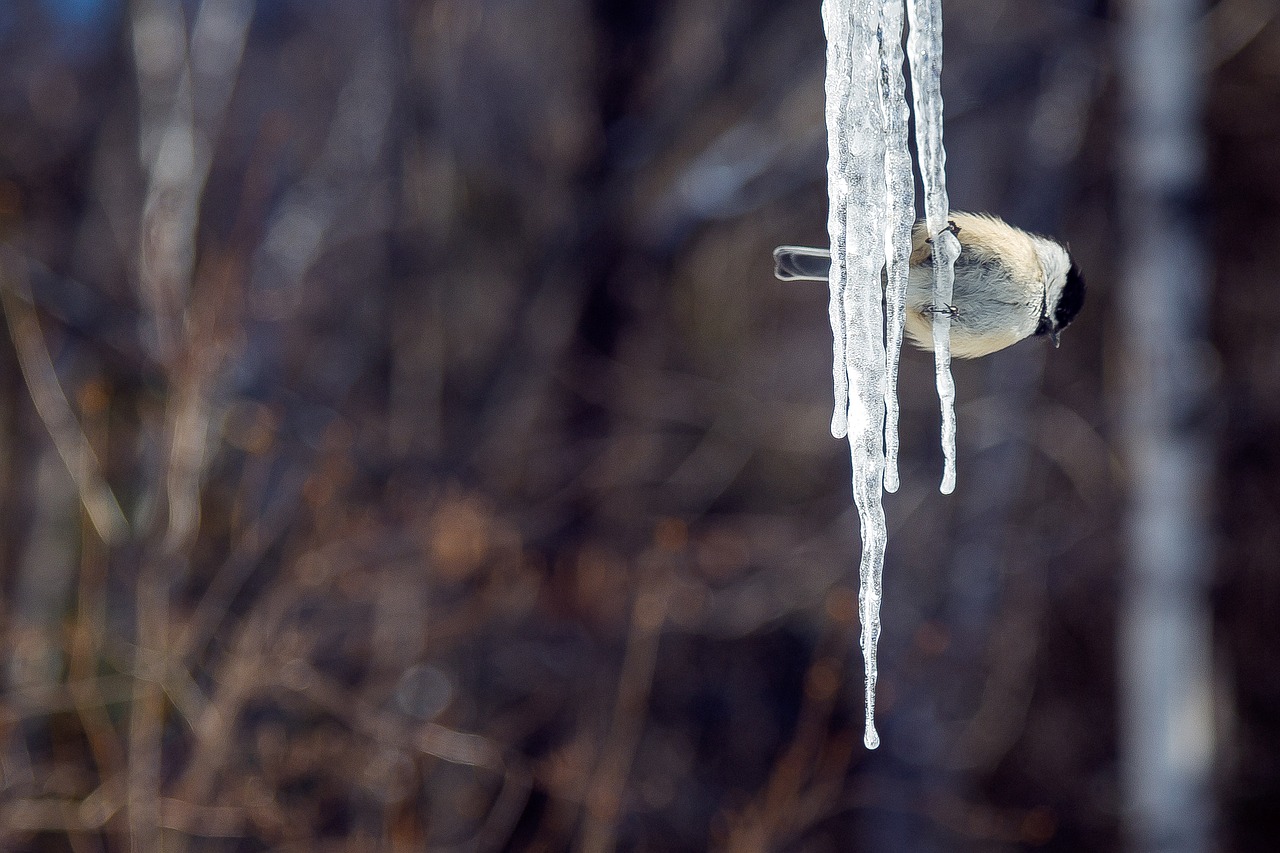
[[872, 209], [900, 192], [924, 47]]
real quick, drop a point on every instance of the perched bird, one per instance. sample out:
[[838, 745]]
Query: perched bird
[[1009, 284]]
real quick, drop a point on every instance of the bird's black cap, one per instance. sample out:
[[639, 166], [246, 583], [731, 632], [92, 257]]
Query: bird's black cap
[[1070, 301]]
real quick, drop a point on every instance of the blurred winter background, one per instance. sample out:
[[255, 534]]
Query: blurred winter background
[[405, 445]]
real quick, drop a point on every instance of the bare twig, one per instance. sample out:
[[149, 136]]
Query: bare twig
[[183, 95], [805, 782], [183, 98], [248, 551], [146, 716], [605, 790], [52, 405], [45, 699], [435, 740]]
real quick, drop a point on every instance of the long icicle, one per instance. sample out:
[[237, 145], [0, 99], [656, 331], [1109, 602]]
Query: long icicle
[[924, 47], [900, 193], [856, 222]]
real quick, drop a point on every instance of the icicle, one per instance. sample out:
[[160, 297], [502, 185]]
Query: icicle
[[924, 46], [872, 198], [838, 21], [900, 199], [856, 223]]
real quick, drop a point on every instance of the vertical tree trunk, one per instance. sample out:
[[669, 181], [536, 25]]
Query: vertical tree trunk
[[1165, 638]]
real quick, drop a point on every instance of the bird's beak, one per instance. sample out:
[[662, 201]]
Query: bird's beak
[[1053, 336]]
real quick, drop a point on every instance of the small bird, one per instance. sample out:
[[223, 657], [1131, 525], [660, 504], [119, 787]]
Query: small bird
[[1009, 284]]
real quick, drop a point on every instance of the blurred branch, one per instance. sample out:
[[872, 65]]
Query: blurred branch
[[265, 530], [608, 781], [1236, 23], [194, 402], [46, 699], [86, 644], [183, 96], [808, 777], [52, 406], [332, 199], [49, 814], [239, 675], [432, 739]]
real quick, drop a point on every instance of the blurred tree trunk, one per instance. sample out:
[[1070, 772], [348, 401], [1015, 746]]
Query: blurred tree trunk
[[1165, 639]]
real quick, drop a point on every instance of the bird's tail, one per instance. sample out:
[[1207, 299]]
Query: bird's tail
[[801, 263]]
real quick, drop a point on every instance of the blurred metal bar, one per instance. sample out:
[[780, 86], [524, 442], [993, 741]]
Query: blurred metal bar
[[1165, 640]]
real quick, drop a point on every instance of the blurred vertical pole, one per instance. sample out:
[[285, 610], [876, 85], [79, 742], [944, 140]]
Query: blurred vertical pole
[[1165, 639]]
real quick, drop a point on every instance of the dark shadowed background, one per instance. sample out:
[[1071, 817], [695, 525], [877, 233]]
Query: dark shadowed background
[[405, 445]]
